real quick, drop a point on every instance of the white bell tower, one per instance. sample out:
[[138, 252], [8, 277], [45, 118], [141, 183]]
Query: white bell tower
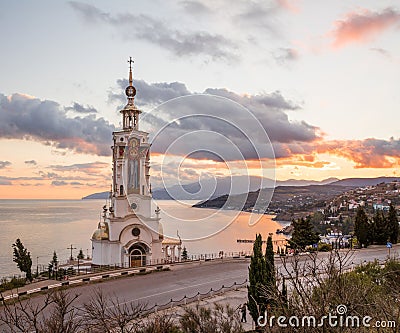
[[128, 233]]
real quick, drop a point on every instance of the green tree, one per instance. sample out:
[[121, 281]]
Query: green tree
[[393, 225], [53, 265], [257, 281], [303, 234], [270, 280], [81, 255], [362, 228], [348, 226], [380, 227], [50, 270], [54, 261], [269, 260], [184, 254], [22, 257]]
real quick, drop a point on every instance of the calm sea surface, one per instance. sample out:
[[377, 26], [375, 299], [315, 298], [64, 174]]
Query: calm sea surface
[[45, 226]]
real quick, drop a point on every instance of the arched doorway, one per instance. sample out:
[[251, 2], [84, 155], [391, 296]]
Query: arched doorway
[[137, 255]]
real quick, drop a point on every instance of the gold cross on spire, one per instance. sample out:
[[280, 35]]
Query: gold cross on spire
[[130, 61]]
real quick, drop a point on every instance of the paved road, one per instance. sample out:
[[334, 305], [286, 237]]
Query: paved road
[[161, 287]]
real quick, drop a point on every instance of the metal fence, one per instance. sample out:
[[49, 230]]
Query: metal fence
[[195, 298]]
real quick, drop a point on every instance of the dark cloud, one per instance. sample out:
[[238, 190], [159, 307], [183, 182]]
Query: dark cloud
[[45, 121], [216, 126], [195, 7], [76, 107], [48, 175], [273, 100], [4, 164], [381, 51], [285, 55], [5, 181], [59, 183], [31, 162], [91, 168], [260, 16], [76, 184], [178, 42], [150, 93], [217, 115]]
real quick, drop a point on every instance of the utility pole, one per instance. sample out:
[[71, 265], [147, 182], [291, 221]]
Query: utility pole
[[71, 248], [37, 266]]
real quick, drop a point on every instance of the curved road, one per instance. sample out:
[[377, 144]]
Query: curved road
[[189, 279]]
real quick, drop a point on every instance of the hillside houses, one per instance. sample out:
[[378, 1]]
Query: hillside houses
[[369, 197]]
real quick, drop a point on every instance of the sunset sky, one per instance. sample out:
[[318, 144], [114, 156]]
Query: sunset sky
[[322, 78]]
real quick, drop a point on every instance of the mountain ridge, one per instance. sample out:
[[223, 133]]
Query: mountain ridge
[[194, 191]]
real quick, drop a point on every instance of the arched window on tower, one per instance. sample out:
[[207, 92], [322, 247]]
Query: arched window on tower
[[121, 190]]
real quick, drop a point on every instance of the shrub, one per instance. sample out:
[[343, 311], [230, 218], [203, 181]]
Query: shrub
[[323, 247], [15, 282]]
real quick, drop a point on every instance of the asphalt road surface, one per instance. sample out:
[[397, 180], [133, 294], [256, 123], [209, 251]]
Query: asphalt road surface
[[189, 279]]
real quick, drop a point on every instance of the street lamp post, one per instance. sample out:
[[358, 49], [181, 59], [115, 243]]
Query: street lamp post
[[37, 266]]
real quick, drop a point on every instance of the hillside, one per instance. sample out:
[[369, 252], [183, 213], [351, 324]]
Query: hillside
[[240, 184], [99, 195], [293, 198], [362, 182]]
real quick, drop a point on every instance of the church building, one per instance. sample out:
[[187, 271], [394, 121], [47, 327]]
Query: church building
[[129, 233]]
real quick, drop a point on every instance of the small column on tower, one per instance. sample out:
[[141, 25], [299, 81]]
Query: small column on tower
[[130, 114]]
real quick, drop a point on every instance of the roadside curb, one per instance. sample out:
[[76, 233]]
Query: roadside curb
[[83, 280]]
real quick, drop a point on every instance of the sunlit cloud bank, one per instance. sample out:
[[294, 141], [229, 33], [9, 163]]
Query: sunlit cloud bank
[[296, 144], [47, 122], [364, 25]]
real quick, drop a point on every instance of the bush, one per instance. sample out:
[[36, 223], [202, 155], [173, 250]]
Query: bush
[[15, 282], [323, 247]]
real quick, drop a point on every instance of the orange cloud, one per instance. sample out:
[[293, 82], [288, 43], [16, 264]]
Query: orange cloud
[[304, 161], [290, 5], [368, 153], [362, 26]]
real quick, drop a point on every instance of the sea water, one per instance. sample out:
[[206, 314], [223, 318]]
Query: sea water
[[45, 226]]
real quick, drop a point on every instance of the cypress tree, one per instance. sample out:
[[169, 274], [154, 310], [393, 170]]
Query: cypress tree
[[257, 281], [270, 264], [270, 285], [393, 223], [54, 265], [362, 228], [380, 227]]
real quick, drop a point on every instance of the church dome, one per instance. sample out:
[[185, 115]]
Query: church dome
[[101, 233]]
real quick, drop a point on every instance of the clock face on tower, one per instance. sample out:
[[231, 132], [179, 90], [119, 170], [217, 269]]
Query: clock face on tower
[[130, 91]]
